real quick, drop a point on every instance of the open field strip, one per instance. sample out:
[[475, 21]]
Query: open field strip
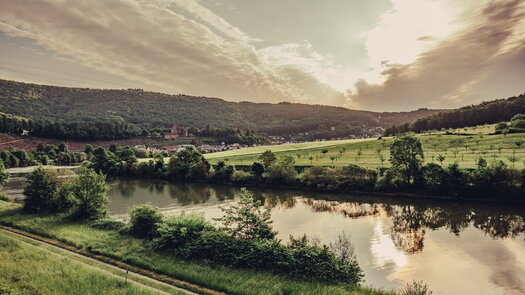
[[463, 149], [105, 269], [284, 147]]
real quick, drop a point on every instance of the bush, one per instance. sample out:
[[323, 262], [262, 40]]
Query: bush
[[107, 224], [178, 231], [415, 288], [241, 177], [40, 191], [6, 197], [144, 220]]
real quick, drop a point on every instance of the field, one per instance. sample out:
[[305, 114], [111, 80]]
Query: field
[[463, 147], [27, 269]]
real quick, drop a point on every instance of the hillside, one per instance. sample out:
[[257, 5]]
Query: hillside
[[150, 110], [490, 112]]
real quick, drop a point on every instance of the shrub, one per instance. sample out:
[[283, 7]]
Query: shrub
[[40, 191], [178, 231], [144, 220], [6, 197], [107, 224], [4, 175], [415, 288], [241, 177], [246, 219]]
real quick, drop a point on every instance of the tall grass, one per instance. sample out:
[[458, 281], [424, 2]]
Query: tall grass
[[29, 270]]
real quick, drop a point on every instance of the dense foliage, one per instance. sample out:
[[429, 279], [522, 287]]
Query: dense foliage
[[247, 240], [150, 110], [484, 113], [82, 130], [45, 155], [406, 174], [83, 196]]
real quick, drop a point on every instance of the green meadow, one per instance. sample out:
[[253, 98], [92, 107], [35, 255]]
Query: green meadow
[[464, 146], [27, 269]]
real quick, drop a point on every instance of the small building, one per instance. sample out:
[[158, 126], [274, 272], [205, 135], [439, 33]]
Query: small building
[[176, 132]]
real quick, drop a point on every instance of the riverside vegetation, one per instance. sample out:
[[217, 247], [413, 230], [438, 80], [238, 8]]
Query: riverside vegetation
[[239, 254], [408, 173]]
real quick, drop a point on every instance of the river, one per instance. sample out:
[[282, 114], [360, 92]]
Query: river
[[455, 247]]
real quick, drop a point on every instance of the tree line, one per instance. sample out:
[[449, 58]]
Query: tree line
[[485, 113], [84, 130], [407, 174]]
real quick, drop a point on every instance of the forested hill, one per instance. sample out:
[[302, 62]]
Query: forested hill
[[151, 110], [495, 111]]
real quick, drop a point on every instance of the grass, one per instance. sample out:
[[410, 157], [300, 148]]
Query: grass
[[30, 270], [464, 149], [136, 252]]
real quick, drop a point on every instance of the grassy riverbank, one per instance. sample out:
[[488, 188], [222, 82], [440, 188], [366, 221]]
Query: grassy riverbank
[[134, 251], [29, 270]]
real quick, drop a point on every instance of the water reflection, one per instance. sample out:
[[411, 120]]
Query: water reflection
[[396, 239]]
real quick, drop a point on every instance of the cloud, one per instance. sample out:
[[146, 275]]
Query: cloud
[[484, 59], [176, 44]]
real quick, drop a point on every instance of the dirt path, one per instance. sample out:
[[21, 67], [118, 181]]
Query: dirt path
[[132, 276]]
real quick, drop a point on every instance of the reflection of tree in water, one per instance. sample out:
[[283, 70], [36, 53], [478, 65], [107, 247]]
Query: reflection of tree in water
[[224, 192], [411, 220], [272, 200], [187, 194], [126, 188], [408, 229], [409, 223], [348, 209]]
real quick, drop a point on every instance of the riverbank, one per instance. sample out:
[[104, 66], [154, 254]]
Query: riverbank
[[117, 247]]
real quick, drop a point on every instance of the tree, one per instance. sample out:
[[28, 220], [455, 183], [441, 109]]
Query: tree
[[382, 159], [144, 220], [513, 159], [247, 219], [62, 147], [332, 158], [324, 151], [267, 158], [406, 156], [91, 192], [4, 175], [257, 169], [188, 164], [89, 149], [519, 143], [113, 148], [40, 191], [441, 159], [311, 159]]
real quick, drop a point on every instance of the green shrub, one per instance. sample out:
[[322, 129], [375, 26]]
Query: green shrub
[[144, 220], [40, 191], [108, 224], [178, 231], [6, 197]]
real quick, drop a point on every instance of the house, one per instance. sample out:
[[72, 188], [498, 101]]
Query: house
[[176, 132]]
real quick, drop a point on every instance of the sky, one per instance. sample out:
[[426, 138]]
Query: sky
[[380, 55]]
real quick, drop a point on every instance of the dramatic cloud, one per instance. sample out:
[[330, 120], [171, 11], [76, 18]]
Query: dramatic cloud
[[149, 41], [413, 53], [483, 60]]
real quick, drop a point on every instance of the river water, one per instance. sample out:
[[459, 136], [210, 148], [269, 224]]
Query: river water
[[454, 247]]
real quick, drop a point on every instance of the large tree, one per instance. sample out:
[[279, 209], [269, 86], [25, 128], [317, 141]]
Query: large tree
[[40, 191], [90, 191], [406, 156]]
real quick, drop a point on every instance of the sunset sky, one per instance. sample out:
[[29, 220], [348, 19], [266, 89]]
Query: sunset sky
[[385, 55]]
